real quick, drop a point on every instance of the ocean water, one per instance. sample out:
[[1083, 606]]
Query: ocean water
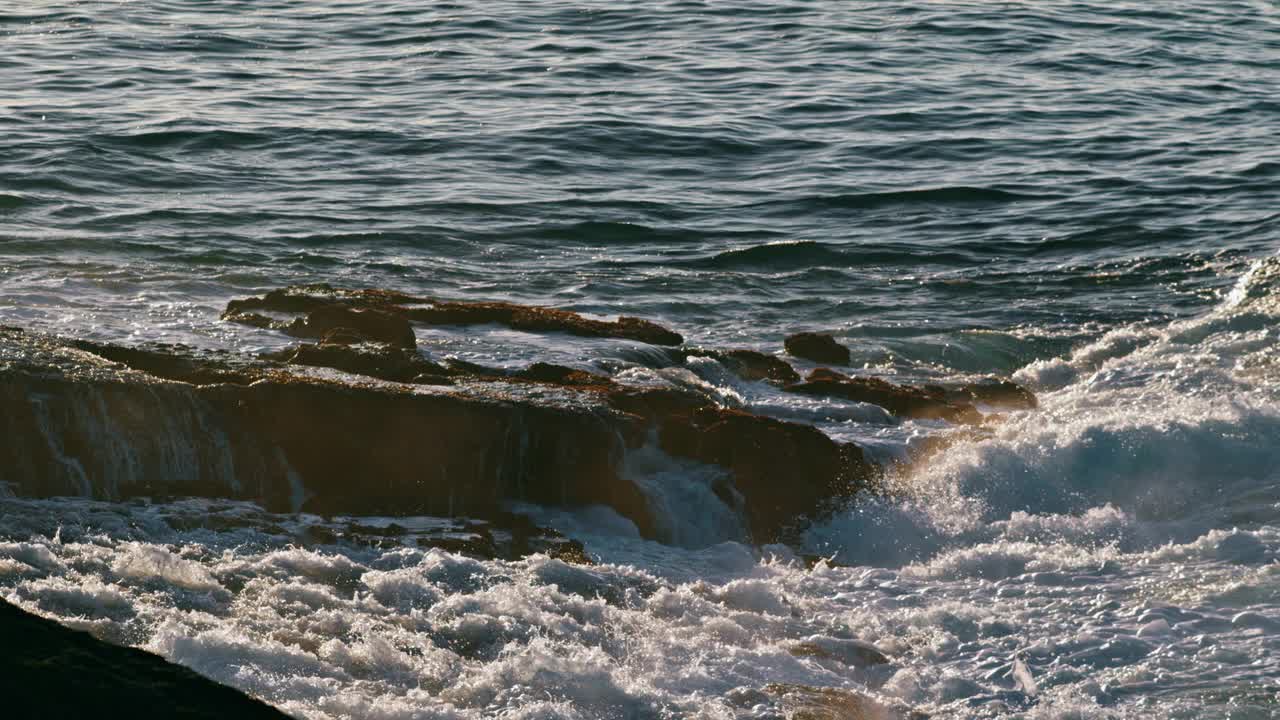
[[1082, 196]]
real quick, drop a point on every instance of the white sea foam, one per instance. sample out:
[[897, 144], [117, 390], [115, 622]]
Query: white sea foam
[[1112, 554], [334, 631]]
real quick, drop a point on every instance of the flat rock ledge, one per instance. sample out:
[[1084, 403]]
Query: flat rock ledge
[[324, 303], [111, 423]]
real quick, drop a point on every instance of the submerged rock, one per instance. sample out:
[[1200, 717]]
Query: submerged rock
[[855, 653], [305, 298], [51, 671], [817, 347]]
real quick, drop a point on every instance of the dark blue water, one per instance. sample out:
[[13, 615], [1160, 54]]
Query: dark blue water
[[1084, 196], [897, 172]]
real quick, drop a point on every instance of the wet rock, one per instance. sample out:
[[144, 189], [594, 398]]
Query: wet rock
[[370, 324], [504, 537], [73, 427], [855, 653], [562, 375], [379, 451], [407, 366], [293, 299], [176, 362], [343, 336], [379, 361], [306, 298], [929, 403], [804, 702], [523, 537], [996, 391], [530, 318], [550, 435], [818, 348], [252, 319], [51, 671], [785, 472], [751, 365]]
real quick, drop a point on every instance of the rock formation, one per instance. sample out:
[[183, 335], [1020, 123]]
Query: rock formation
[[312, 299], [51, 671], [108, 422], [817, 347], [394, 432], [927, 402]]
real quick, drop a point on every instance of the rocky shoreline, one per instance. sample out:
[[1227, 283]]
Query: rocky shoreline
[[357, 421], [362, 422]]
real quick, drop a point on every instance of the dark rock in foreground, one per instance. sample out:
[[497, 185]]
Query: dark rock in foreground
[[818, 348], [50, 671]]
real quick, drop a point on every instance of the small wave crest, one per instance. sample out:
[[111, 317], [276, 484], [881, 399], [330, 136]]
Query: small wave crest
[[933, 196]]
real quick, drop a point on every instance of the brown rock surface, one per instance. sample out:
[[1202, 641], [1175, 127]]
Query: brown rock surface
[[78, 425], [785, 471], [817, 347], [928, 403], [751, 365], [373, 324], [996, 391], [415, 436], [541, 319], [377, 361], [529, 318]]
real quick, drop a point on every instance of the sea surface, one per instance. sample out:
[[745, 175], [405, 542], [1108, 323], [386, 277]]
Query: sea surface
[[1082, 196]]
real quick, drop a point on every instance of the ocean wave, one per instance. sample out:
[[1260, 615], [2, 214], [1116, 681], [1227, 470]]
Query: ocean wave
[[1170, 425]]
